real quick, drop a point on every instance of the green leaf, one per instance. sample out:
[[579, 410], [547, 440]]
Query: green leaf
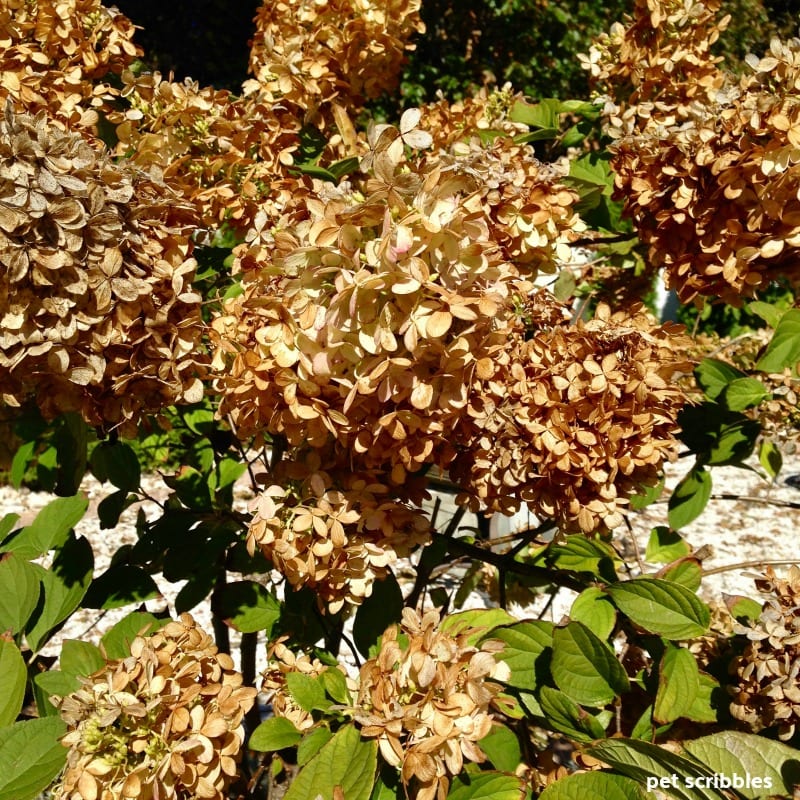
[[50, 683], [346, 761], [661, 607], [343, 167], [312, 743], [80, 659], [566, 716], [7, 524], [743, 609], [714, 375], [116, 462], [536, 115], [581, 554], [642, 760], [678, 684], [485, 786], [525, 645], [307, 691], [744, 393], [565, 286], [594, 609], [276, 733], [378, 611], [110, 509], [191, 487], [30, 757], [249, 607], [704, 706], [117, 642], [735, 442], [585, 668], [594, 785], [19, 464], [784, 349], [19, 592], [502, 748], [732, 753], [665, 545], [687, 571], [120, 585], [647, 496], [50, 528], [335, 683], [480, 621], [768, 312], [64, 585], [769, 456], [13, 676], [689, 498], [225, 473], [70, 439], [540, 135]]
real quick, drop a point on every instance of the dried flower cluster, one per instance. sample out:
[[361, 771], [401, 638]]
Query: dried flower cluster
[[427, 702], [396, 327], [162, 724], [575, 418], [336, 531], [766, 690], [311, 54], [97, 308], [708, 168], [54, 53]]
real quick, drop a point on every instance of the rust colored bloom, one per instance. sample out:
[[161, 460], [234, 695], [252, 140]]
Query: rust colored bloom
[[427, 701], [97, 306], [162, 724]]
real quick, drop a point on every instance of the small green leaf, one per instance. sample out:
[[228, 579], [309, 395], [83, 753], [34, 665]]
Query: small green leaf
[[566, 716], [343, 167], [665, 545], [121, 585], [769, 456], [687, 571], [7, 524], [485, 786], [80, 659], [536, 115], [50, 527], [346, 761], [19, 464], [648, 495], [50, 683], [13, 676], [704, 706], [594, 785], [689, 498], [744, 393], [678, 684], [116, 462], [312, 743], [307, 691], [525, 645], [714, 375], [768, 312], [661, 607], [784, 349], [191, 487], [743, 609], [480, 621], [117, 642], [276, 733], [378, 611], [733, 753], [110, 509], [594, 609], [581, 554], [31, 755], [502, 748], [19, 592], [335, 683], [249, 607], [585, 668]]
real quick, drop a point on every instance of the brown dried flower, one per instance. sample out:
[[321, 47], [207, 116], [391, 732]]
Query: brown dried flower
[[96, 301], [427, 702], [162, 724], [766, 692], [54, 53]]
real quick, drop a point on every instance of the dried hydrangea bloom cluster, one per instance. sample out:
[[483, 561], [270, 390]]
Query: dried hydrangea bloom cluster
[[53, 53], [766, 690], [396, 327], [312, 53], [574, 419], [97, 307], [282, 662], [428, 702], [162, 724], [336, 530], [708, 168]]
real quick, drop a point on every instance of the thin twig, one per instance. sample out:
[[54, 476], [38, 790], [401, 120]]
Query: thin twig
[[751, 564]]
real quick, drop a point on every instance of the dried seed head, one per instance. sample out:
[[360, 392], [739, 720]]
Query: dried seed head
[[164, 722]]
